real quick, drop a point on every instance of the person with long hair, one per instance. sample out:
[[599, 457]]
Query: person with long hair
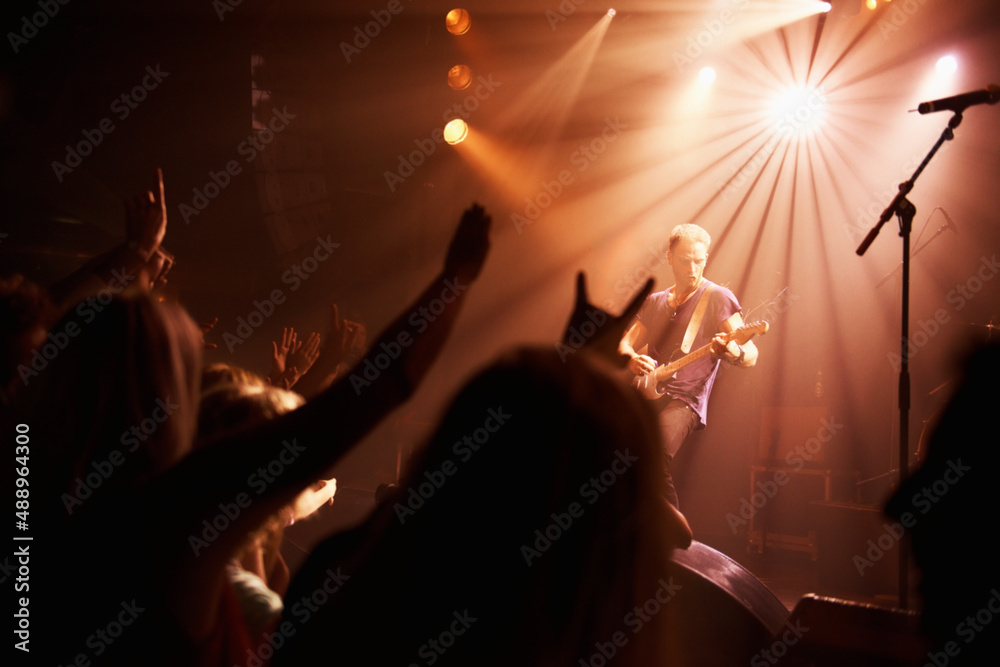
[[134, 529], [531, 530]]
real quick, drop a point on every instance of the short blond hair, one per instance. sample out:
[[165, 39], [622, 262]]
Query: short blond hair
[[689, 232]]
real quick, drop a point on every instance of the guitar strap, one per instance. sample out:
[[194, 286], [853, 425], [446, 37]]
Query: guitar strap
[[695, 324]]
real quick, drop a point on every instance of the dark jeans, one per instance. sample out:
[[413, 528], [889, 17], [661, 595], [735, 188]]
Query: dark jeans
[[677, 422]]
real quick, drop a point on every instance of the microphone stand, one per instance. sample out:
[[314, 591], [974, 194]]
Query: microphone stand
[[916, 251], [901, 207]]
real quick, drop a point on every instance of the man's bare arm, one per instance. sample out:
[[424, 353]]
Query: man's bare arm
[[633, 340], [744, 356]]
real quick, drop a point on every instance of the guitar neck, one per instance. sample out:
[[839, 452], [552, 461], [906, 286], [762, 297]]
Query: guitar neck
[[664, 372], [648, 383]]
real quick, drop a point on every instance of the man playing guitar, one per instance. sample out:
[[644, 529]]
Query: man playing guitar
[[694, 313]]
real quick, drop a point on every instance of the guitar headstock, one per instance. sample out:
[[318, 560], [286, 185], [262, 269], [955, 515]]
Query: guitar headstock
[[748, 331]]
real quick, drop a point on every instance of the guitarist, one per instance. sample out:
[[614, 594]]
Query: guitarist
[[686, 316]]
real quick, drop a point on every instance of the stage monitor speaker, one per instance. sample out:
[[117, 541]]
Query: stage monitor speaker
[[829, 632]]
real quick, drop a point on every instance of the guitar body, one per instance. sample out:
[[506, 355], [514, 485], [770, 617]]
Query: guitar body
[[653, 385], [650, 385]]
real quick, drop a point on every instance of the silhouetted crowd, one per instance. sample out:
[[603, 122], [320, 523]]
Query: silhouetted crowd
[[526, 528]]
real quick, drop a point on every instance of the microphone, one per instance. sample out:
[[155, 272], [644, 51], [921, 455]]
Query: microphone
[[951, 223], [988, 95]]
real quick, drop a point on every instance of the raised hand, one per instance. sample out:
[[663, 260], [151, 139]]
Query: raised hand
[[280, 350], [205, 328], [605, 330], [146, 220], [305, 354], [469, 246], [344, 340], [350, 336], [318, 494], [160, 263]]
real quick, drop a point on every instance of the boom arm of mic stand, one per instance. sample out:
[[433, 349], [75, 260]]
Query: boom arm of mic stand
[[905, 187]]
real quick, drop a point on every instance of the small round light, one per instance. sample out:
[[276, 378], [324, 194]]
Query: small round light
[[947, 65], [459, 77], [706, 75], [825, 7], [458, 21], [456, 131], [612, 12], [871, 4]]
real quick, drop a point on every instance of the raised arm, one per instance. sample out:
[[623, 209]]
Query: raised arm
[[343, 339], [123, 265], [255, 472]]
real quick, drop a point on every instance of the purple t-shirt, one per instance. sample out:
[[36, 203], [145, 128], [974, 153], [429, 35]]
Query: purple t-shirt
[[665, 328]]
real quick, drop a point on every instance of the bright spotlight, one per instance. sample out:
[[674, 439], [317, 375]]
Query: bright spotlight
[[706, 75], [947, 65], [799, 110], [825, 7], [611, 12], [456, 131], [458, 21], [871, 4], [459, 77]]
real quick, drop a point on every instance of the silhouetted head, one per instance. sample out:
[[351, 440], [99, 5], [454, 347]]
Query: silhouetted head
[[536, 506], [117, 401], [228, 405], [949, 506], [219, 373]]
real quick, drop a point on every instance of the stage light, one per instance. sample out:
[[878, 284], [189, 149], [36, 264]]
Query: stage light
[[706, 75], [947, 65], [456, 131], [843, 9], [458, 21], [825, 7], [871, 4], [611, 12], [459, 77], [799, 110]]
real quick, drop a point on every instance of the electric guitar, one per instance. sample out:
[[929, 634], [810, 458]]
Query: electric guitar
[[648, 385]]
